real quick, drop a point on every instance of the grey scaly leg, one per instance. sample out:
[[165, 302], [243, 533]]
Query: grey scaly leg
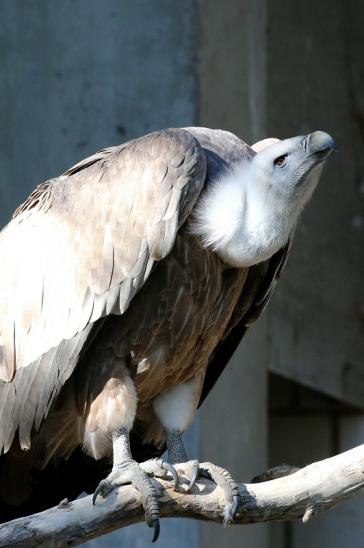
[[126, 470], [176, 410], [177, 455]]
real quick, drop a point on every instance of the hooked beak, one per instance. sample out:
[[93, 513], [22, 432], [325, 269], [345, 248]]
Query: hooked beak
[[319, 143]]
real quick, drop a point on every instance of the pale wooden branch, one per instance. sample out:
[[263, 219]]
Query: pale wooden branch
[[312, 489]]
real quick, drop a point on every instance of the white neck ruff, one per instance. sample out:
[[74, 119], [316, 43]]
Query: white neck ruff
[[243, 221]]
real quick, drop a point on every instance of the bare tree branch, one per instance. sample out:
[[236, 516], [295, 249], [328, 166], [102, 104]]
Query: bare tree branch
[[312, 489]]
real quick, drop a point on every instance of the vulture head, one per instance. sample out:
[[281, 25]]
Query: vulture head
[[290, 169], [251, 211]]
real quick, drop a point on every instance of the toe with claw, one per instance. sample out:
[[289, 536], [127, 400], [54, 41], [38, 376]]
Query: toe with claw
[[139, 476], [191, 470], [126, 470], [223, 479]]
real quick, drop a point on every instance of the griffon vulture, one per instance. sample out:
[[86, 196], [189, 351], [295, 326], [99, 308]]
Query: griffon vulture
[[125, 285]]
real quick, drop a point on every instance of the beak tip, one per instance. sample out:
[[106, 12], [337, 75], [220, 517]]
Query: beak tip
[[320, 141]]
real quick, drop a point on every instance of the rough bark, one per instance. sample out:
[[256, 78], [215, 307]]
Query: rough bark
[[312, 489]]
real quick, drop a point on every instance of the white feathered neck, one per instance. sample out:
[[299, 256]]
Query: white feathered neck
[[242, 220]]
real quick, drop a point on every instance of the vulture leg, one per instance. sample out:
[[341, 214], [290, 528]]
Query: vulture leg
[[176, 410], [126, 470], [110, 416]]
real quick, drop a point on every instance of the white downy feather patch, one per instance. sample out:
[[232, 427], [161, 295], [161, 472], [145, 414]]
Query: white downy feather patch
[[176, 408], [240, 219]]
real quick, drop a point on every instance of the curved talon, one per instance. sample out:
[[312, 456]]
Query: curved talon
[[171, 469], [97, 492], [156, 526], [235, 504], [193, 477]]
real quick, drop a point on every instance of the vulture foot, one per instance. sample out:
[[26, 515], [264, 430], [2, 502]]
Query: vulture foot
[[193, 469], [138, 475], [126, 470]]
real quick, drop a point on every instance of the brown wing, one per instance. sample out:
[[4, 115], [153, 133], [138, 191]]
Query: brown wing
[[82, 245], [257, 291], [79, 249]]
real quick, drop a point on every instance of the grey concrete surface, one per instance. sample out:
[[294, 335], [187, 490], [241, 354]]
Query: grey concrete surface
[[81, 75], [232, 67], [315, 81]]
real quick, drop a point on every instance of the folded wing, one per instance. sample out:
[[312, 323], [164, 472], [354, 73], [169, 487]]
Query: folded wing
[[82, 245]]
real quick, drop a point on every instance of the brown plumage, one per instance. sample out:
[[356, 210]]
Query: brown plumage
[[109, 300]]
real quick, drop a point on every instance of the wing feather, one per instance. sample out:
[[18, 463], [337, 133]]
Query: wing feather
[[87, 247], [79, 249], [256, 293]]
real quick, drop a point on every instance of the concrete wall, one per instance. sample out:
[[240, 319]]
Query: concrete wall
[[315, 81], [78, 75]]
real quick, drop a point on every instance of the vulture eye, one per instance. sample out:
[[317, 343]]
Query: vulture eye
[[280, 161]]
